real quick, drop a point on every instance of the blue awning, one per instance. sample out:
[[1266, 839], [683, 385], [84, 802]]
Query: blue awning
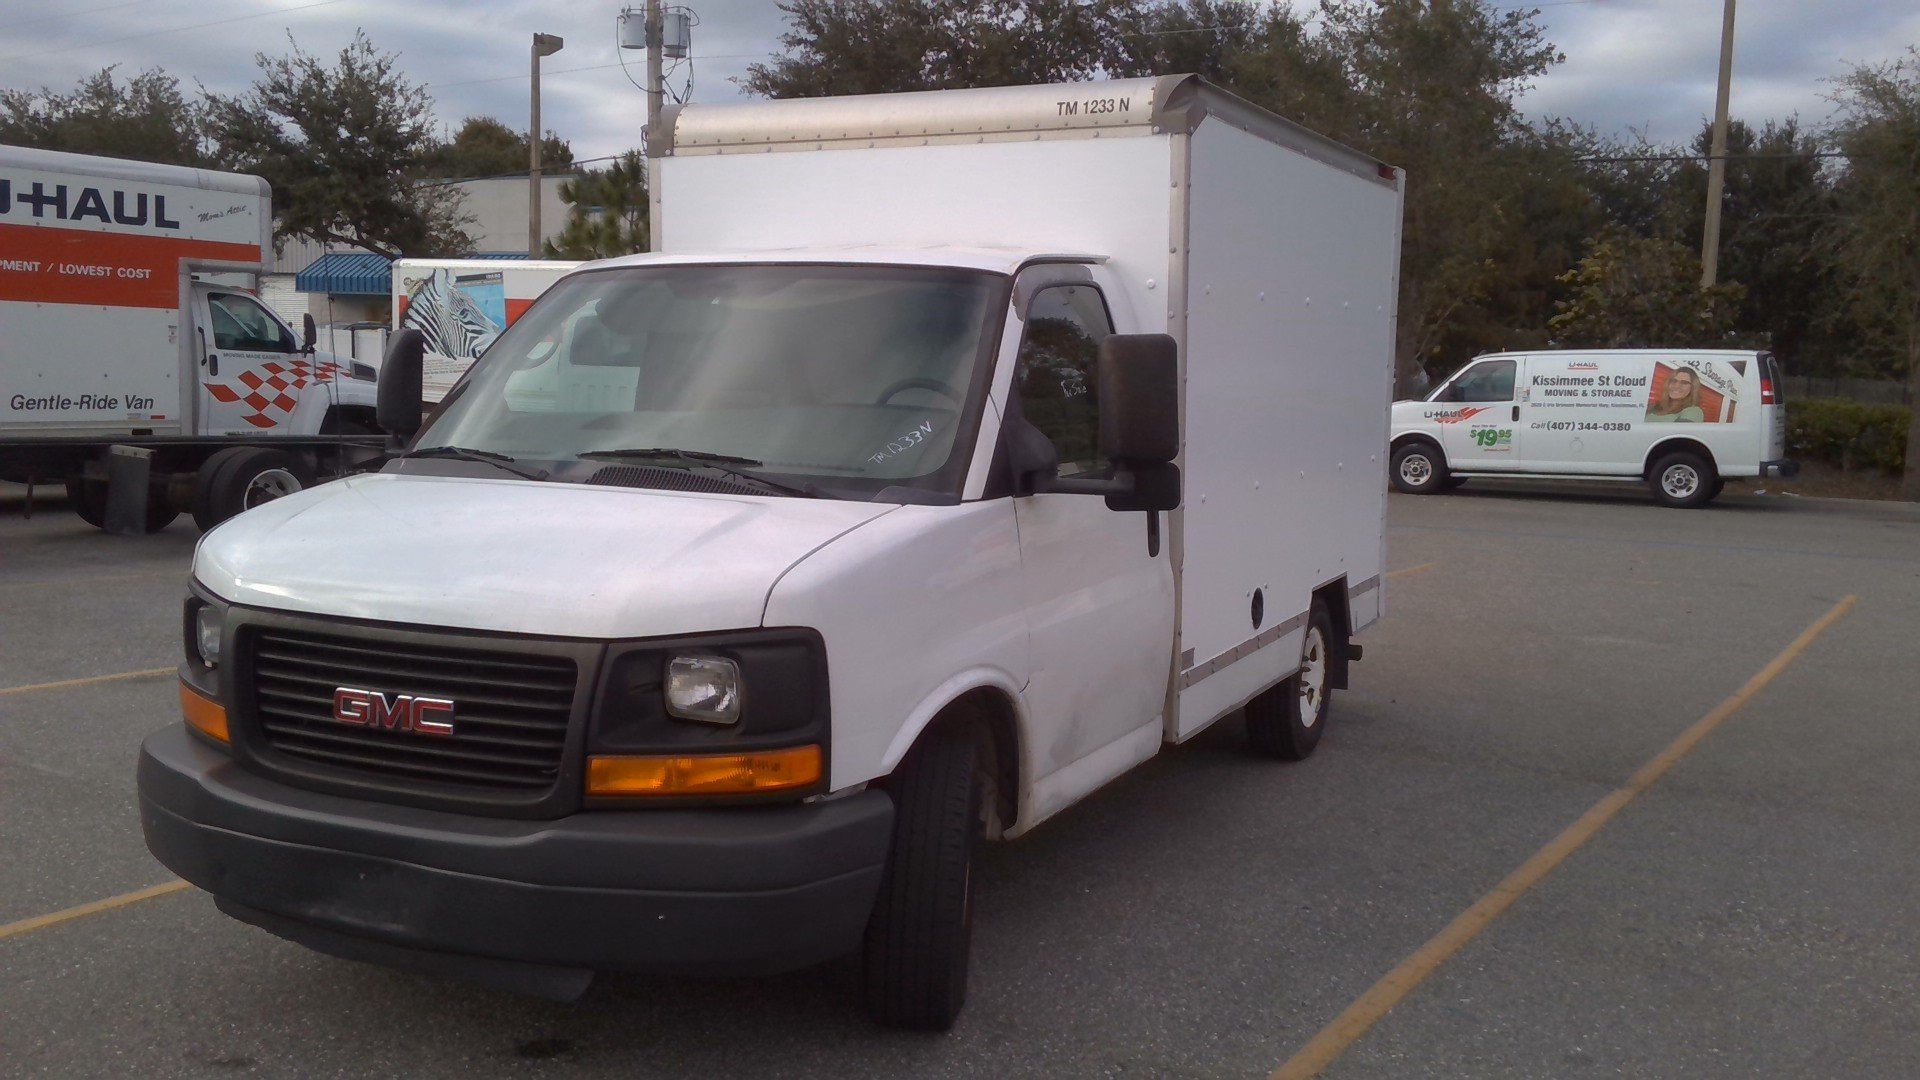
[[348, 273]]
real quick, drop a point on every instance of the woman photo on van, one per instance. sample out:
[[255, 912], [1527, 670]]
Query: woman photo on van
[[1678, 399]]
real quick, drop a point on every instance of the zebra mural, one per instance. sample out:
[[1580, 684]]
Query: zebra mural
[[460, 315]]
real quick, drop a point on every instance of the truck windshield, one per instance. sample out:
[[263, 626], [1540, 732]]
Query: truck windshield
[[856, 378]]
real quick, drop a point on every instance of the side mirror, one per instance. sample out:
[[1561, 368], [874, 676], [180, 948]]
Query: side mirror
[[397, 407], [308, 333], [1139, 399]]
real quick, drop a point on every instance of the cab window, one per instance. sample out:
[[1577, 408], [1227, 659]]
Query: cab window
[[1056, 377], [1489, 380], [241, 324]]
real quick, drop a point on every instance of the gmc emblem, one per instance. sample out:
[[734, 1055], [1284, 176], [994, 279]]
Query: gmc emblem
[[399, 712]]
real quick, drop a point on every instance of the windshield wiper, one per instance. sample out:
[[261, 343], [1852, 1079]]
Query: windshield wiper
[[485, 457], [718, 462]]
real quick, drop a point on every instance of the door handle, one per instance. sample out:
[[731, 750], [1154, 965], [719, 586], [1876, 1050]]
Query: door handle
[[213, 364], [1516, 412]]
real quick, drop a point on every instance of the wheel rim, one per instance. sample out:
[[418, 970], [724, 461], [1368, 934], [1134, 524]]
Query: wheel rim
[[1680, 481], [1415, 470], [1313, 677], [270, 485]]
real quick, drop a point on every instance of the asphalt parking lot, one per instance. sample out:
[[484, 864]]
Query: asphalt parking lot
[[1751, 913]]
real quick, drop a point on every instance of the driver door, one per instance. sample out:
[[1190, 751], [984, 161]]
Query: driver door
[[1480, 420], [1099, 607], [251, 367]]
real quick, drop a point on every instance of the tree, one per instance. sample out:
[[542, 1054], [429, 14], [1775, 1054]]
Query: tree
[[608, 212], [1633, 292], [144, 118], [854, 47], [1877, 232], [344, 147], [486, 147]]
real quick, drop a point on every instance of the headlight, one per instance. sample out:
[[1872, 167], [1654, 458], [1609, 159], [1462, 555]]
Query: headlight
[[704, 688], [208, 621]]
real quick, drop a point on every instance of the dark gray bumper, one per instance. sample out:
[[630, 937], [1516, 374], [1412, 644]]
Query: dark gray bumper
[[1780, 468], [708, 891]]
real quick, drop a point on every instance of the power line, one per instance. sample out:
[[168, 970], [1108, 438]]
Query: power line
[[171, 30], [74, 14]]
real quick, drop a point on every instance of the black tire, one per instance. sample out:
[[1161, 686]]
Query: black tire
[[241, 477], [921, 929], [89, 500], [1419, 468], [1719, 485], [1286, 721], [1682, 480]]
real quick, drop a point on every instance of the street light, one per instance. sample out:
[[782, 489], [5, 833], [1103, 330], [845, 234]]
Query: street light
[[543, 45]]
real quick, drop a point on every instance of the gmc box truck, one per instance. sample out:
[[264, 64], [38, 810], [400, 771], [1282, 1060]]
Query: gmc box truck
[[126, 320], [959, 452]]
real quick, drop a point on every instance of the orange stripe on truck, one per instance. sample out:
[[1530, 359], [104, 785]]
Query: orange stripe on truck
[[44, 265]]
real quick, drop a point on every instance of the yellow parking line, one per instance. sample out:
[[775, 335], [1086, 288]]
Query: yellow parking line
[[88, 681], [111, 902], [1404, 571], [1368, 1008]]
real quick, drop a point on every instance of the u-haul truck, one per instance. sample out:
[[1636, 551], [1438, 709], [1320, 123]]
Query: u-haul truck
[[126, 320], [461, 305]]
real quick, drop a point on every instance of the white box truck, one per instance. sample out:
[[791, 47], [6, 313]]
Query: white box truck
[[125, 320], [461, 305], [1679, 421], [960, 451]]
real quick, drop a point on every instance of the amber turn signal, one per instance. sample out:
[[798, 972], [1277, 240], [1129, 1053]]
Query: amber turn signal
[[204, 715], [705, 774]]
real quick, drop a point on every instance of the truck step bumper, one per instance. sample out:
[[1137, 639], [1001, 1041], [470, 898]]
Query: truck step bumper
[[735, 891]]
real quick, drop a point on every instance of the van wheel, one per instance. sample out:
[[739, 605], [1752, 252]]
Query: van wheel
[[1287, 720], [89, 500], [1683, 480], [1419, 468], [242, 477], [921, 929]]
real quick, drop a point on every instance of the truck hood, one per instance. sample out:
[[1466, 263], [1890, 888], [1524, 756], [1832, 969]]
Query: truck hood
[[562, 560]]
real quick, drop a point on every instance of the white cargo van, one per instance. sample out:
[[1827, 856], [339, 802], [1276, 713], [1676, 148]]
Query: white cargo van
[[1681, 421], [461, 305], [961, 450], [126, 320]]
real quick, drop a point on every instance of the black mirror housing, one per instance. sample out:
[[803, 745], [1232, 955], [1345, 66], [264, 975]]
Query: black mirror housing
[[1139, 399], [398, 407], [1154, 488], [309, 332]]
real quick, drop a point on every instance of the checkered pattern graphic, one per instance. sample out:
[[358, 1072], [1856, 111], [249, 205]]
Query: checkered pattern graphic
[[265, 389]]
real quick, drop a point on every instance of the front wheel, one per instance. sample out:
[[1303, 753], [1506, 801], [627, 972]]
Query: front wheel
[[1419, 468], [1286, 721], [1683, 480], [240, 478], [921, 929]]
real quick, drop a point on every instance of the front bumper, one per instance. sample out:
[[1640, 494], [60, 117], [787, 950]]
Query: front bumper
[[1782, 467], [743, 890]]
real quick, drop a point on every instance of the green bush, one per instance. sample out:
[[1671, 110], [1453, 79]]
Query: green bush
[[1848, 434]]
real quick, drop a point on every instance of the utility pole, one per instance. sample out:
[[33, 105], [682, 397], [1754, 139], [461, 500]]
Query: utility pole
[[1717, 164], [543, 45], [654, 89]]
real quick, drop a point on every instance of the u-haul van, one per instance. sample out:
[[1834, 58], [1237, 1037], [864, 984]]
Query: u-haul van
[[125, 320], [461, 305], [938, 472], [1681, 421]]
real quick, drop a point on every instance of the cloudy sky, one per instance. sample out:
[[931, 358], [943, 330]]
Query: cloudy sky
[[1632, 65]]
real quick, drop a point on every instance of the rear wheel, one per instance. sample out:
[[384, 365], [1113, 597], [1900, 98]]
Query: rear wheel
[[1286, 721], [89, 500], [240, 478], [1419, 468], [1682, 480], [921, 929]]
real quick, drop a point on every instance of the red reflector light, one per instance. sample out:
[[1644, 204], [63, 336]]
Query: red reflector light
[[1766, 391]]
